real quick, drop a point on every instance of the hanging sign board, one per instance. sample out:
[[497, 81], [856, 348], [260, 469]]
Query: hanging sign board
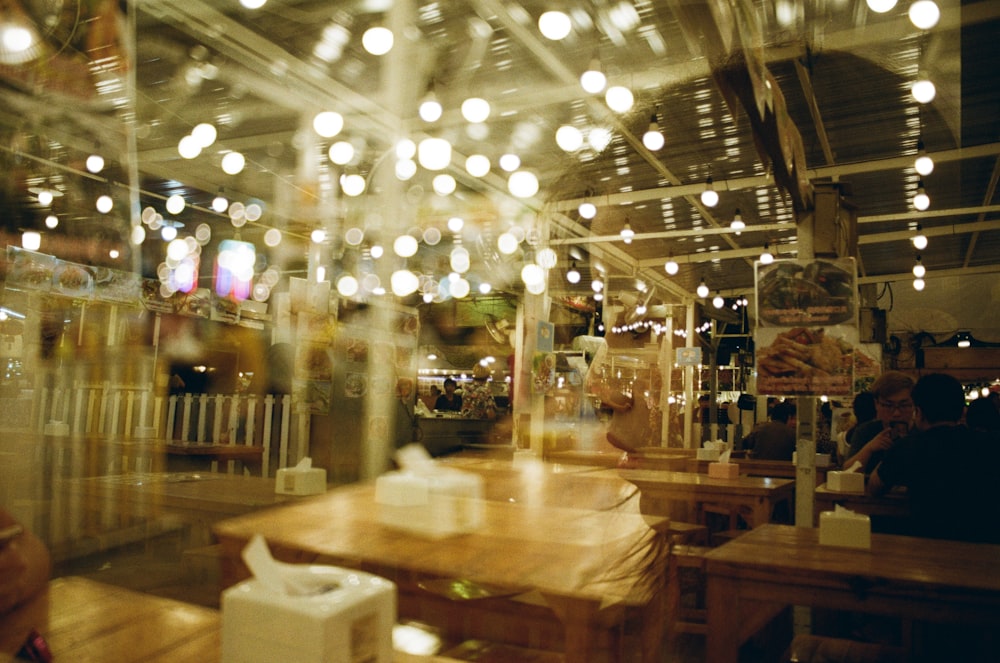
[[687, 356], [807, 327]]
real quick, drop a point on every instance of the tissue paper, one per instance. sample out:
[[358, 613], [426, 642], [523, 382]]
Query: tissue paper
[[306, 613], [843, 527], [303, 479], [847, 481], [724, 469]]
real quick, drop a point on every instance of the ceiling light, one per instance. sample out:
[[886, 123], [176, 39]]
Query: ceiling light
[[924, 14], [510, 162], [522, 184], [341, 152], [718, 301], [881, 6], [404, 282], [220, 204], [709, 196], [923, 90], [405, 246], [627, 233], [619, 98], [921, 201], [924, 165], [328, 123], [105, 203], [672, 267], [587, 210], [233, 163], [737, 222], [918, 269], [45, 197], [964, 339], [554, 25], [253, 4], [593, 80], [188, 147], [477, 165], [507, 243], [460, 259], [347, 285], [31, 240], [51, 221], [205, 134], [377, 40], [919, 240], [597, 285], [434, 153], [573, 275], [430, 108], [444, 184], [547, 258], [569, 138], [702, 290], [653, 139], [95, 163], [475, 110], [766, 257]]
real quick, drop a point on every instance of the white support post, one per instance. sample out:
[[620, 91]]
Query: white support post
[[265, 435]]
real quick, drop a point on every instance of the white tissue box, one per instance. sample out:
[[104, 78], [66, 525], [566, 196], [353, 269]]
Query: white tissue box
[[708, 454], [845, 482], [434, 503], [723, 470], [349, 617], [295, 481], [845, 528]]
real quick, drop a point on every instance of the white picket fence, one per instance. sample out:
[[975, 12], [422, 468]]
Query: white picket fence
[[108, 411]]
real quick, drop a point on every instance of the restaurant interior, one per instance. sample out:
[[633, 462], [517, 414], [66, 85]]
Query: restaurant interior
[[249, 242]]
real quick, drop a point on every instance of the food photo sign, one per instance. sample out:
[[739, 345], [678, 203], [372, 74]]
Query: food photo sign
[[807, 327]]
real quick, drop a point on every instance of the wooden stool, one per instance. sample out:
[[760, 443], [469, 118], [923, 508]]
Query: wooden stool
[[680, 618], [682, 533]]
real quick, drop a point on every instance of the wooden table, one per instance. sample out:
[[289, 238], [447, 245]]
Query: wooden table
[[751, 467], [753, 497], [894, 504], [83, 621], [753, 577], [588, 566], [186, 457]]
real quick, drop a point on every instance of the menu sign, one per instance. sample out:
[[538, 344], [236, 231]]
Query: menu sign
[[807, 327]]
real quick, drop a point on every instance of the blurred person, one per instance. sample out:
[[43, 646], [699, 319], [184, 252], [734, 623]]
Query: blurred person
[[449, 401], [25, 563], [430, 400], [862, 411], [629, 426], [477, 397], [774, 439], [894, 409]]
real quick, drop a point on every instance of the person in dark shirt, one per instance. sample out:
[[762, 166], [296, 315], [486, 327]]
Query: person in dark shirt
[[774, 439], [946, 467], [894, 406], [449, 401]]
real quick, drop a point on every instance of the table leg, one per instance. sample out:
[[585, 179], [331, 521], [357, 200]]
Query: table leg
[[723, 620], [578, 617]]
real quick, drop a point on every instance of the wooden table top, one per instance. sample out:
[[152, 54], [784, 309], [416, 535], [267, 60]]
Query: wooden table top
[[895, 503], [573, 552], [698, 483], [83, 621], [924, 564]]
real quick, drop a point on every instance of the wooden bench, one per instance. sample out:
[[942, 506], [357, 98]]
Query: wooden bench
[[683, 618]]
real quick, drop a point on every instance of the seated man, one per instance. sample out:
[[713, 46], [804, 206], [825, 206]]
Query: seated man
[[946, 468], [774, 439], [24, 564], [894, 410]]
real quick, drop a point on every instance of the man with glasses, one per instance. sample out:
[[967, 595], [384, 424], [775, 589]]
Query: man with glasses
[[894, 407]]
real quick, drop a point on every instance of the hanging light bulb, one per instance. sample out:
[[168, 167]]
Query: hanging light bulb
[[923, 90], [220, 203], [923, 164], [718, 301], [573, 275], [919, 240], [702, 290], [554, 25], [653, 139], [766, 257], [918, 284], [627, 232], [918, 268], [924, 14], [737, 222], [709, 197], [95, 163], [921, 201], [593, 80], [587, 210], [671, 267]]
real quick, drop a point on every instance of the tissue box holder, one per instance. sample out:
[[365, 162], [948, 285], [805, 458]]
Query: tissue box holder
[[434, 503], [723, 470], [294, 481], [708, 454], [846, 529], [349, 618], [845, 482]]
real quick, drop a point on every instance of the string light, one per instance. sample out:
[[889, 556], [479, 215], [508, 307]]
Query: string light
[[709, 197], [766, 257], [702, 290]]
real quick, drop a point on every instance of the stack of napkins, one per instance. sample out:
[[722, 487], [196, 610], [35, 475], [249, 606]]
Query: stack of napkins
[[303, 479], [427, 499], [847, 481], [711, 450], [724, 469], [843, 527]]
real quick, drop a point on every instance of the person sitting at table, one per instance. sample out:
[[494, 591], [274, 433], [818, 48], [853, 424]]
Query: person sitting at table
[[982, 415], [449, 401], [25, 563], [862, 411], [946, 467], [430, 400], [895, 415], [774, 439], [477, 397]]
